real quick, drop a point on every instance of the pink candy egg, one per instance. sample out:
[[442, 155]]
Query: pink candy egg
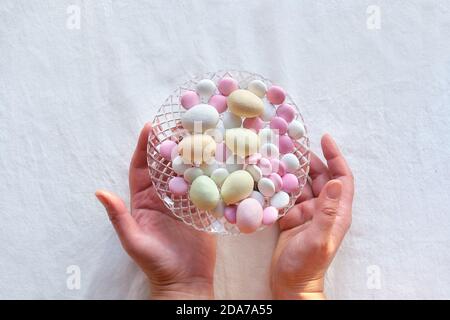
[[189, 99], [253, 159], [230, 214], [278, 166], [285, 144], [278, 123], [219, 102], [178, 186], [227, 85], [265, 166], [249, 215], [270, 215], [255, 124], [287, 112], [277, 181], [290, 183], [166, 148], [276, 95]]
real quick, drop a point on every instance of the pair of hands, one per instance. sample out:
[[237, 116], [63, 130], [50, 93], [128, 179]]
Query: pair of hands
[[179, 260]]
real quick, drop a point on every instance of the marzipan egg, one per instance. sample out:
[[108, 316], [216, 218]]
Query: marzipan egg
[[204, 193], [237, 186], [245, 103], [241, 141]]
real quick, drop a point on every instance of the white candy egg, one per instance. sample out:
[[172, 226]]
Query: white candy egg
[[280, 200], [191, 173], [206, 88], [258, 196], [267, 135], [291, 162], [234, 163], [230, 120], [200, 118], [266, 187], [254, 171], [219, 175], [269, 150], [296, 130], [257, 87], [269, 111], [179, 166]]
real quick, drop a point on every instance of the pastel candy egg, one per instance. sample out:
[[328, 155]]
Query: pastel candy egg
[[258, 88], [179, 166], [278, 123], [234, 163], [291, 162], [266, 187], [278, 166], [290, 183], [222, 152], [280, 200], [244, 103], [189, 99], [285, 144], [269, 150], [209, 167], [249, 215], [269, 111], [200, 118], [270, 215], [287, 112], [197, 148], [296, 130], [254, 124], [204, 193], [241, 141], [221, 128], [276, 95], [258, 196], [178, 186], [219, 175], [219, 210], [277, 181], [192, 173], [231, 120], [265, 166], [166, 148], [227, 85], [254, 171], [237, 186], [219, 102], [267, 135], [230, 214], [206, 87]]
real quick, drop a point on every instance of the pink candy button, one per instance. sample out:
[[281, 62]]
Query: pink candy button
[[189, 99], [277, 181], [227, 85], [278, 123], [285, 144], [178, 186], [278, 166], [265, 166], [219, 102], [290, 183], [276, 95], [270, 215], [255, 124], [286, 111]]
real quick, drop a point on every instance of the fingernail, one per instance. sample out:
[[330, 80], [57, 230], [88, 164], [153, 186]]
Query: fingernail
[[334, 190], [101, 197]]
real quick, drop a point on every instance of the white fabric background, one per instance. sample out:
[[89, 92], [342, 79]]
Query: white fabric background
[[73, 101]]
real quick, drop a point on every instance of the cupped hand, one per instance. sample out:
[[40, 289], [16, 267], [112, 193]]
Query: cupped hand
[[178, 260], [314, 228]]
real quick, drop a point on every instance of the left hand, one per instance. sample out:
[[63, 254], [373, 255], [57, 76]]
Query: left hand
[[178, 260]]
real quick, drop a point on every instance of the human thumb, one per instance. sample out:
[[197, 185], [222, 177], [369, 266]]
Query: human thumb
[[328, 205]]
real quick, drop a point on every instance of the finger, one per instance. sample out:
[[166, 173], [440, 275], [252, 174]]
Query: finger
[[337, 165], [327, 207], [297, 215], [319, 174], [124, 224], [139, 175]]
